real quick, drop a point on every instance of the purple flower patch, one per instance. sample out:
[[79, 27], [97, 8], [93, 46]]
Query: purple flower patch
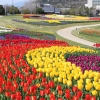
[[90, 62], [16, 36], [2, 38]]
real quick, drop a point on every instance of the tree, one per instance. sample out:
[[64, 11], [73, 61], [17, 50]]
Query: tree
[[2, 10], [14, 10], [72, 11], [39, 11], [25, 11], [31, 5]]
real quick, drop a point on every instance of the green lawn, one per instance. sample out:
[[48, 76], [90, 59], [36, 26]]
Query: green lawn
[[7, 21]]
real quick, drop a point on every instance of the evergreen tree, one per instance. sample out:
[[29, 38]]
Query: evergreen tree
[[2, 10]]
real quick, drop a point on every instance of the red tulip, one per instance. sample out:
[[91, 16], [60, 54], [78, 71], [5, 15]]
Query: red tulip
[[29, 80], [34, 71], [51, 95], [33, 77], [67, 91], [18, 93], [13, 96], [67, 95], [60, 99], [47, 86], [25, 89], [42, 98], [79, 94], [93, 98], [18, 97], [16, 85], [44, 80], [33, 97], [27, 98], [1, 89], [87, 97], [53, 98], [60, 92], [59, 87], [42, 93], [75, 98], [47, 91], [7, 94], [51, 84], [74, 89], [13, 89], [40, 74]]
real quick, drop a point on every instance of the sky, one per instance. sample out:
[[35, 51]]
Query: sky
[[3, 2]]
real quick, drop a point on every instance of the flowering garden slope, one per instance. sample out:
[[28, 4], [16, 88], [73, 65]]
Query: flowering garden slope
[[32, 69]]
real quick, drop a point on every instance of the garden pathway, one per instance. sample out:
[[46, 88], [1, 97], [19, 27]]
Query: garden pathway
[[66, 33]]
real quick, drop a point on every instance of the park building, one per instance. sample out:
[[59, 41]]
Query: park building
[[95, 4]]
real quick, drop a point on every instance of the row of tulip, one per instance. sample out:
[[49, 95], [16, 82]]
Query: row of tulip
[[33, 42], [90, 32], [51, 61], [61, 17]]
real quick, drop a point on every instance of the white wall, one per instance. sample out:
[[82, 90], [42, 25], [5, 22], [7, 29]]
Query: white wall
[[89, 3]]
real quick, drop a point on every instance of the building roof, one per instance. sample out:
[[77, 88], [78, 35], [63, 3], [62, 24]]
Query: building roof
[[51, 10]]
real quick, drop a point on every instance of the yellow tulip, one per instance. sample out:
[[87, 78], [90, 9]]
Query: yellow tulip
[[55, 79], [96, 78], [88, 86], [64, 81], [88, 80], [59, 79], [90, 75], [51, 74], [80, 86], [47, 74], [97, 87], [69, 83], [94, 92], [76, 77]]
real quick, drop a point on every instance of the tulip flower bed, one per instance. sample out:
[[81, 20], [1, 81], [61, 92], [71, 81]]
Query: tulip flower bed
[[33, 69], [23, 34], [90, 32]]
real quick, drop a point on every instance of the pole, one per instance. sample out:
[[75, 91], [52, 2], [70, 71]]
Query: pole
[[5, 10]]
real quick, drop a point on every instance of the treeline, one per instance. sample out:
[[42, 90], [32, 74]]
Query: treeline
[[8, 9]]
